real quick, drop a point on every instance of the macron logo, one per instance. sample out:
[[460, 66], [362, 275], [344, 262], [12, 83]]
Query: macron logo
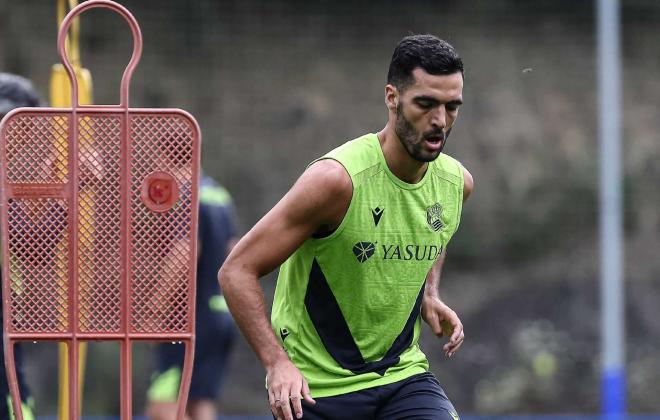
[[284, 333], [377, 213]]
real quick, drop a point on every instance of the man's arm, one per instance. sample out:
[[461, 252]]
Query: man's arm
[[440, 317], [317, 201]]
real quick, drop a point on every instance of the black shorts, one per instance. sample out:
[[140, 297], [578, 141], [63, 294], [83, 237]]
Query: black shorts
[[212, 350], [418, 397]]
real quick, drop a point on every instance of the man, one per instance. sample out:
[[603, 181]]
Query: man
[[215, 329], [363, 232], [15, 92]]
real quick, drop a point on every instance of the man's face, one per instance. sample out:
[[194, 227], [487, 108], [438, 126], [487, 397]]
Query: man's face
[[426, 111]]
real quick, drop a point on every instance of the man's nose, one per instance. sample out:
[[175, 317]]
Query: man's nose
[[439, 117]]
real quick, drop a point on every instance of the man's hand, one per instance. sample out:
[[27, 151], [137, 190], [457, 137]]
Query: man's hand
[[286, 388], [443, 321]]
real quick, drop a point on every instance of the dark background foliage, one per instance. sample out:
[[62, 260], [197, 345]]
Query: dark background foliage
[[275, 84]]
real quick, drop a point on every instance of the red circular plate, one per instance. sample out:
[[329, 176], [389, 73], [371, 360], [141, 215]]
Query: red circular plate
[[159, 191]]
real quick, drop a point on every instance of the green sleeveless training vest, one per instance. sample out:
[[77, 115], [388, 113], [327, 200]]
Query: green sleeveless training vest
[[347, 306]]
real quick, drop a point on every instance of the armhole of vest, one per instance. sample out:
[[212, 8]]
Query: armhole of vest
[[461, 188], [340, 228]]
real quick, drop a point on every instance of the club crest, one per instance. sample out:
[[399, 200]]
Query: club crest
[[434, 217]]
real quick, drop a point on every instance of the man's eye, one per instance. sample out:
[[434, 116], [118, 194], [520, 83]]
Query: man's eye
[[452, 108]]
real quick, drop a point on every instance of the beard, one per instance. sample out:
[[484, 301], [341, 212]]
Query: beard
[[413, 141]]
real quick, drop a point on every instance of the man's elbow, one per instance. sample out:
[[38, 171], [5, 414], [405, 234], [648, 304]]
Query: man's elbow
[[227, 277]]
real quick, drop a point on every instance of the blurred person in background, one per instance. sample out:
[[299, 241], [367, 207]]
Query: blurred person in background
[[215, 330], [15, 92], [361, 240]]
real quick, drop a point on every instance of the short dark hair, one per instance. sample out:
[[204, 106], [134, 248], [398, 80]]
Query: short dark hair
[[432, 54], [16, 92]]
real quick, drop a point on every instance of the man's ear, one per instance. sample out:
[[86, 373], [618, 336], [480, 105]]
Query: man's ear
[[391, 97]]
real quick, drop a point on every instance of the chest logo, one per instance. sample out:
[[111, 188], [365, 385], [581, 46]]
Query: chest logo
[[364, 250], [434, 217], [377, 213]]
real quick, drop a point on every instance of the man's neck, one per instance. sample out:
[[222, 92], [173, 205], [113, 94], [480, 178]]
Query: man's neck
[[398, 160]]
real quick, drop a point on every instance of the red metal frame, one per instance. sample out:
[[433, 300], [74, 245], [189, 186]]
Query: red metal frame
[[86, 255]]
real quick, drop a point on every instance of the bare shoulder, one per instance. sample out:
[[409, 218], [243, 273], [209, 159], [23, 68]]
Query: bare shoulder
[[316, 203], [326, 189], [468, 183], [330, 176]]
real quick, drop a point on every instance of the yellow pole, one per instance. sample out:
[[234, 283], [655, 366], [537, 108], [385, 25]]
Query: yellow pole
[[60, 97]]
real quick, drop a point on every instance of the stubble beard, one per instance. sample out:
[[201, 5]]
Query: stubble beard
[[411, 139]]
